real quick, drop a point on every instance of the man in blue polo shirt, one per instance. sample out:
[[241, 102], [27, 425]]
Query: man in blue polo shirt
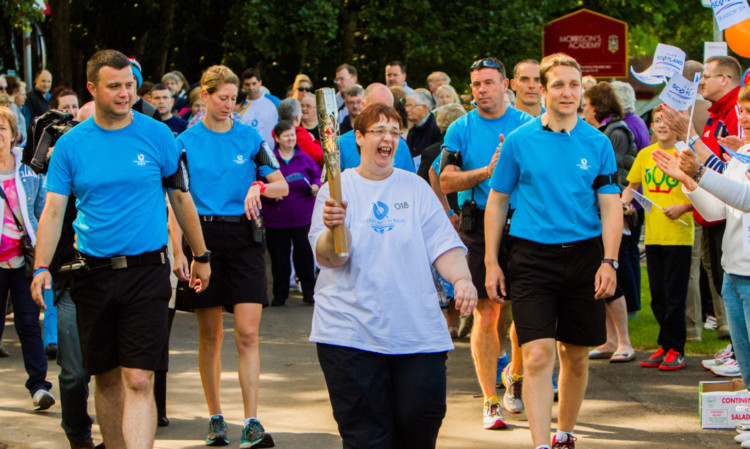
[[350, 158], [114, 164], [558, 168], [470, 152]]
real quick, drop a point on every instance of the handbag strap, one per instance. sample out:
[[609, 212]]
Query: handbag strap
[[18, 223]]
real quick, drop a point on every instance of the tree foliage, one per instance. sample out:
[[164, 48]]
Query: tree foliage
[[282, 39]]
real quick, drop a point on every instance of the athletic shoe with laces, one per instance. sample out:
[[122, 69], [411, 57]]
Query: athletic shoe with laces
[[570, 443], [42, 400], [252, 434], [217, 432], [711, 324], [720, 357], [493, 416], [655, 359], [512, 400], [673, 361], [730, 368]]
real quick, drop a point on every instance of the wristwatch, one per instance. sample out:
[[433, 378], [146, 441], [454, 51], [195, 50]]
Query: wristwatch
[[615, 264], [203, 258]]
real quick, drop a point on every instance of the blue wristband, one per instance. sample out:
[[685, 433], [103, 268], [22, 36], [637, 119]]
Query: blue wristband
[[450, 212], [40, 270]]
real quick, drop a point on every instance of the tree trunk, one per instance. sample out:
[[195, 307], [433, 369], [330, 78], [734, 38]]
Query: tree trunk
[[162, 50], [59, 43], [349, 16]]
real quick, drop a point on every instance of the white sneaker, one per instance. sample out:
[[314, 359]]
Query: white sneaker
[[730, 368], [493, 416], [710, 323], [743, 426], [43, 400], [720, 357], [742, 437]]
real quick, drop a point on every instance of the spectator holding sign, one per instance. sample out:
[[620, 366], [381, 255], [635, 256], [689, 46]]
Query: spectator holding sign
[[287, 219]]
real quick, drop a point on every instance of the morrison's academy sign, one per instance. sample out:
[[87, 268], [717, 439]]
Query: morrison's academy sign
[[599, 43]]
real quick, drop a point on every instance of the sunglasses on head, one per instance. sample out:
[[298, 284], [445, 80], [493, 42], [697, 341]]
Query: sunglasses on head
[[486, 63]]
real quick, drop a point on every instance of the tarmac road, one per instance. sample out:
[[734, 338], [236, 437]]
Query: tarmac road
[[626, 406]]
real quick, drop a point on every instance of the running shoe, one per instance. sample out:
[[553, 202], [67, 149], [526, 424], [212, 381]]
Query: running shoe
[[493, 416], [711, 323], [655, 359], [42, 400], [720, 357], [252, 434], [569, 443], [730, 368], [673, 361], [217, 432], [512, 400], [502, 362]]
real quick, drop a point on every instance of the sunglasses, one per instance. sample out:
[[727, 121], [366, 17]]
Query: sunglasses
[[487, 63], [304, 89]]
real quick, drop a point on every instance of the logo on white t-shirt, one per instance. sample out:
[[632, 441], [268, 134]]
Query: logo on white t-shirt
[[141, 160], [240, 159], [381, 225], [584, 165]]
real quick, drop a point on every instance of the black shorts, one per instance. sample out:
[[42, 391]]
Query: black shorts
[[553, 292], [122, 318], [238, 267], [474, 241]]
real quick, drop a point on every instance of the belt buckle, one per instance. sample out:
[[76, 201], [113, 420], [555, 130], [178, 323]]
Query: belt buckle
[[119, 262], [208, 218]]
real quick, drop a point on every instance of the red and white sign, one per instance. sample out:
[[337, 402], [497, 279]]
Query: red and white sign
[[599, 43]]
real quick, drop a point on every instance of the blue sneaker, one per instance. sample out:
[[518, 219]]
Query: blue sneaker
[[252, 434], [502, 362], [217, 432], [554, 384]]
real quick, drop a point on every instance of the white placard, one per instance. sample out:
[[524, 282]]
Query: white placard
[[711, 49], [680, 93], [667, 61], [730, 12]]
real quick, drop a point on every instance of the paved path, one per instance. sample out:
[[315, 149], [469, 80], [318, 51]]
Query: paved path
[[626, 406]]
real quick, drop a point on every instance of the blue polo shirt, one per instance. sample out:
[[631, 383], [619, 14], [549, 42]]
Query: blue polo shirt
[[116, 177], [222, 166], [350, 157], [476, 139], [553, 178]]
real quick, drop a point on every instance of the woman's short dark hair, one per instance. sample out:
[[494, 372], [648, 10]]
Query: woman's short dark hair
[[283, 125], [604, 101], [372, 114]]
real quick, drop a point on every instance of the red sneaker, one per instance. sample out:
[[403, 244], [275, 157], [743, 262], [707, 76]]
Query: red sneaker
[[655, 359], [673, 361]]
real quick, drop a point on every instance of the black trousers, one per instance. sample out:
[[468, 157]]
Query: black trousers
[[668, 270], [279, 243], [385, 401]]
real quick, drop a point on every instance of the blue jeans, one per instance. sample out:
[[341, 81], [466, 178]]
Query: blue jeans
[[736, 293], [26, 319], [50, 323], [74, 382]]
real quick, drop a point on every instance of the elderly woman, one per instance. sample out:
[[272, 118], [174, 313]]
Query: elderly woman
[[603, 111], [381, 338], [446, 94], [178, 85], [21, 206], [302, 85], [310, 115]]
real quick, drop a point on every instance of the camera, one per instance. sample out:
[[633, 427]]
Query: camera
[[469, 213], [45, 132]]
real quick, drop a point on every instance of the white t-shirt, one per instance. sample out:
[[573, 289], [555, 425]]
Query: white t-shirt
[[262, 115], [384, 299]]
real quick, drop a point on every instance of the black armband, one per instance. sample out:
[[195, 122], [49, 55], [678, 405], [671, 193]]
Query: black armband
[[604, 180], [450, 158], [266, 157], [180, 180]]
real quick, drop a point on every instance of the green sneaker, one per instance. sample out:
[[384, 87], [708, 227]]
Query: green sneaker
[[217, 432], [252, 434]]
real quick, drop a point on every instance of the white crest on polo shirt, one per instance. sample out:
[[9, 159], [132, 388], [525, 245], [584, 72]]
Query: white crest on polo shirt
[[240, 160], [141, 160], [584, 165]]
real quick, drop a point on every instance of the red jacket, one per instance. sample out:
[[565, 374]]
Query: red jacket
[[724, 112], [309, 146]]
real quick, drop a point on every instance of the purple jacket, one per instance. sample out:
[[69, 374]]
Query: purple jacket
[[640, 130], [295, 209]]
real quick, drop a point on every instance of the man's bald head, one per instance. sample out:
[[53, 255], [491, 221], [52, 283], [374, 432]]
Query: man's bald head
[[377, 93]]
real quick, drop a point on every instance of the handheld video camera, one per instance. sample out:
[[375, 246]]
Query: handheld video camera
[[45, 131]]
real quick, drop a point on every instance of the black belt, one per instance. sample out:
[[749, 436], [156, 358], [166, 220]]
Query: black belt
[[225, 218], [523, 241], [158, 257]]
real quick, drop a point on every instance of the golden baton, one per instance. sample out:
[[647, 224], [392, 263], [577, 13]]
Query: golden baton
[[328, 122]]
